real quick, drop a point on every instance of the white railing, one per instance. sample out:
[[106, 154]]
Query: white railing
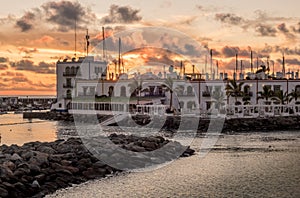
[[253, 111], [231, 111]]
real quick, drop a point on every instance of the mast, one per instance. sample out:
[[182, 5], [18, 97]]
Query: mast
[[283, 65], [119, 55], [236, 65], [87, 37], [251, 60], [211, 60], [241, 66], [103, 39], [75, 38], [217, 63]]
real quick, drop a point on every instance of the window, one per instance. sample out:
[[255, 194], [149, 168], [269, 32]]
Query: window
[[123, 91], [277, 88], [190, 104], [111, 91], [59, 105], [189, 90]]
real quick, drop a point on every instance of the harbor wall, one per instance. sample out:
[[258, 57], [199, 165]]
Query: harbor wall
[[172, 123]]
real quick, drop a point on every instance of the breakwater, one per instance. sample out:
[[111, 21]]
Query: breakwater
[[171, 123], [36, 169]]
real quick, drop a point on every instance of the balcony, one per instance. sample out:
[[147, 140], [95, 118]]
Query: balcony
[[68, 74], [206, 94], [68, 97], [250, 94], [68, 86]]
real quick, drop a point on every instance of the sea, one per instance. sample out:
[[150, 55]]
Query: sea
[[16, 130], [256, 164]]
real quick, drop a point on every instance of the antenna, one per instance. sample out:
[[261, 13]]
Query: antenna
[[236, 63], [75, 37], [283, 65], [119, 55], [217, 63], [205, 63], [241, 66], [87, 37], [103, 37], [211, 59], [251, 57]]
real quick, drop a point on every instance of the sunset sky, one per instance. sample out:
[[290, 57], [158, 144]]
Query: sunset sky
[[35, 34]]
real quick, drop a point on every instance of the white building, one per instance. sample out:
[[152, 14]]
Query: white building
[[86, 79]]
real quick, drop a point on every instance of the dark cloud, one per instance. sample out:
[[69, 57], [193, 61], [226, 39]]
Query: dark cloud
[[27, 51], [121, 14], [27, 65], [64, 13], [18, 81], [3, 59], [25, 22], [229, 18], [3, 67], [292, 61], [231, 51], [265, 30], [283, 29], [296, 28]]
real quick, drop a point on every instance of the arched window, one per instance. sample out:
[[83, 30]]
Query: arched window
[[123, 91], [77, 70], [67, 70], [191, 104], [246, 89], [181, 104], [73, 70], [190, 90], [69, 94], [111, 91]]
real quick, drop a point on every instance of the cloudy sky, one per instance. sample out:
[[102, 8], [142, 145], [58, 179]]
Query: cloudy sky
[[35, 34]]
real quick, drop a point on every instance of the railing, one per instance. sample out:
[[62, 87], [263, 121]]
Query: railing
[[71, 74], [262, 110], [68, 86], [206, 94]]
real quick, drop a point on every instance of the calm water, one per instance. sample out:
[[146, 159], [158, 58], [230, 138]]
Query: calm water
[[16, 130], [267, 166]]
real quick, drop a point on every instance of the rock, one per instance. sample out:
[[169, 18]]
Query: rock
[[15, 157], [46, 149], [21, 171], [34, 169], [40, 159], [40, 178], [5, 172], [66, 162], [3, 192], [149, 146], [35, 184], [10, 165], [27, 155]]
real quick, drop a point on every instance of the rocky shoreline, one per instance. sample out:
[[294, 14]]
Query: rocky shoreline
[[172, 123], [36, 169]]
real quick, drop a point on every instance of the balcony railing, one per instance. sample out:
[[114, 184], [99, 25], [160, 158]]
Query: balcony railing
[[68, 86], [250, 93], [71, 74], [68, 97], [206, 94]]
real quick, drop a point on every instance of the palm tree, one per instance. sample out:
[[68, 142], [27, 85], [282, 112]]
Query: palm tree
[[136, 87], [218, 98], [266, 93], [294, 95], [281, 97], [168, 86], [234, 89]]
